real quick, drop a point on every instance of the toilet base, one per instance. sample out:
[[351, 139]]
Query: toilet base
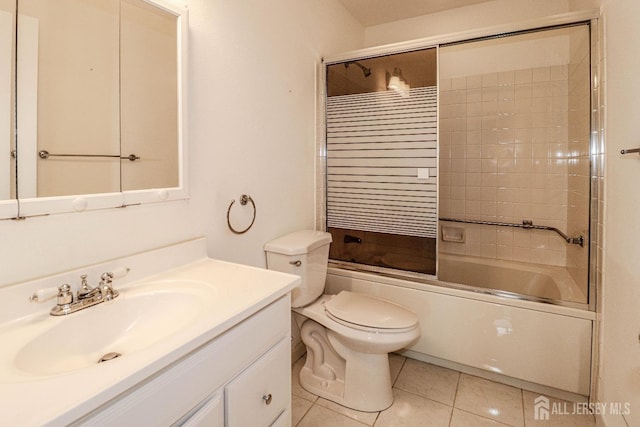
[[357, 380]]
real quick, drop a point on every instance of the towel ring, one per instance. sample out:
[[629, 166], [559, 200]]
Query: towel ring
[[243, 201]]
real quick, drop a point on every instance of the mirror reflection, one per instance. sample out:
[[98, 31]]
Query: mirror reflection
[[7, 100], [97, 103]]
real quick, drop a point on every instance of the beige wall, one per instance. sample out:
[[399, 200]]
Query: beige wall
[[620, 358], [495, 13]]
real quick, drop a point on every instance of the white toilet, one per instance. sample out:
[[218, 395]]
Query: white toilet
[[348, 336]]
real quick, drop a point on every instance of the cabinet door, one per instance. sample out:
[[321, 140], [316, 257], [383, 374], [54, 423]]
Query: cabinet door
[[259, 395], [208, 414]]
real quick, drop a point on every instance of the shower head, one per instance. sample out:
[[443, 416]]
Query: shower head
[[365, 70]]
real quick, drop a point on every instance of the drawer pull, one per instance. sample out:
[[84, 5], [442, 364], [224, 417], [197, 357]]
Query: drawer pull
[[267, 399]]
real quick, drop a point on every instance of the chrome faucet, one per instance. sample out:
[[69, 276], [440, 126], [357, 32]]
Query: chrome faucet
[[86, 296]]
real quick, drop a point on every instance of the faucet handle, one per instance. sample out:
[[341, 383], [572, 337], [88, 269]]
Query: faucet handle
[[62, 292], [118, 272], [42, 295]]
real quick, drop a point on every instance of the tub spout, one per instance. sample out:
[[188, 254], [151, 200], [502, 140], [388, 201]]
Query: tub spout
[[348, 238]]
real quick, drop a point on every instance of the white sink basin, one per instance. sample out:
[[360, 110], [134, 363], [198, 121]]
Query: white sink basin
[[135, 320]]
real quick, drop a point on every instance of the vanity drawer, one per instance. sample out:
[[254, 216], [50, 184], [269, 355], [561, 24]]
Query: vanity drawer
[[260, 394]]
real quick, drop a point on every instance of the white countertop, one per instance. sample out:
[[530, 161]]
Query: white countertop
[[29, 399]]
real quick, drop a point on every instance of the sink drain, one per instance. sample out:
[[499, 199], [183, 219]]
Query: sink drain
[[109, 356]]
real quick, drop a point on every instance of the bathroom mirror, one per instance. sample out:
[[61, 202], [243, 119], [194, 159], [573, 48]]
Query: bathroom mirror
[[100, 109]]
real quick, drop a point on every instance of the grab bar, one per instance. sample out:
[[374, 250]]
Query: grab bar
[[526, 224], [629, 150], [44, 154]]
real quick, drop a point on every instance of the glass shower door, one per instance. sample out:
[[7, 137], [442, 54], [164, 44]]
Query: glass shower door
[[515, 164]]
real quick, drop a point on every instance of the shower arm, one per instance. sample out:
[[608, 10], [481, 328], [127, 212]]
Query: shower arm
[[526, 224], [366, 71]]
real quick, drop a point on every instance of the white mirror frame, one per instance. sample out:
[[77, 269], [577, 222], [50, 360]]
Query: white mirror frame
[[22, 208]]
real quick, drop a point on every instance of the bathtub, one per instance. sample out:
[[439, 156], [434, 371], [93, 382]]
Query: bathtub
[[537, 281], [529, 344]]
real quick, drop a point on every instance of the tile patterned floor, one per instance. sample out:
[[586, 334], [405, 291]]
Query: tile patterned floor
[[428, 395]]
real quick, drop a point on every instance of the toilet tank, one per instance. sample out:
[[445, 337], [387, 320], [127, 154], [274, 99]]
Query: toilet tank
[[306, 254]]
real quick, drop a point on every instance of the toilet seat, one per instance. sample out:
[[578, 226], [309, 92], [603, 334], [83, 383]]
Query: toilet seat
[[368, 313]]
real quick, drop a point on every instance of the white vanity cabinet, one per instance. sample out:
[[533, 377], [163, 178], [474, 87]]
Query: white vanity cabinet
[[240, 378]]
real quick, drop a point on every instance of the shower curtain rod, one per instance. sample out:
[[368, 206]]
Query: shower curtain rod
[[526, 224]]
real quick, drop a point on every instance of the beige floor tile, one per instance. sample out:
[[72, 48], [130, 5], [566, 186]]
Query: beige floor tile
[[467, 419], [296, 388], [427, 380], [367, 418], [299, 407], [395, 365], [489, 399], [561, 413], [410, 410], [323, 417]]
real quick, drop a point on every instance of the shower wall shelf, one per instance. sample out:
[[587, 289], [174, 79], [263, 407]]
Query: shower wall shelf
[[526, 224]]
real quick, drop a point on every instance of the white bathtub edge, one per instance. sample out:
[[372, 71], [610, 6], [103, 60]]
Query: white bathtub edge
[[443, 289]]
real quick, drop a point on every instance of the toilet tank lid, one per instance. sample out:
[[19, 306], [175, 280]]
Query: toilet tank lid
[[299, 242]]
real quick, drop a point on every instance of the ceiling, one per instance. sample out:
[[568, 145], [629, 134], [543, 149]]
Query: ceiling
[[374, 12]]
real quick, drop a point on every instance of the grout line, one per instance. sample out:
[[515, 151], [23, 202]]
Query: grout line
[[524, 417], [399, 371], [455, 397], [306, 412], [422, 397]]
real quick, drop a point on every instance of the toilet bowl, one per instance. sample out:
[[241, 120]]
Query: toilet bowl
[[348, 336]]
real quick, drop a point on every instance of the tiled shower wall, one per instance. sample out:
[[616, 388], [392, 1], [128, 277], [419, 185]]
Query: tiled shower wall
[[506, 153]]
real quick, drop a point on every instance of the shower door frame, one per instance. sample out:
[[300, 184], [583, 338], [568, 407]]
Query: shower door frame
[[596, 143]]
